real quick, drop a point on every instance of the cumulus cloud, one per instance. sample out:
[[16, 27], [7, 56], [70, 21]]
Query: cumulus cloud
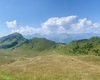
[[11, 24], [82, 25], [57, 26], [56, 21], [85, 26], [27, 30]]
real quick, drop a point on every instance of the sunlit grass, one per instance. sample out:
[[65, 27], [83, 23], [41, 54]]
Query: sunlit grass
[[53, 67]]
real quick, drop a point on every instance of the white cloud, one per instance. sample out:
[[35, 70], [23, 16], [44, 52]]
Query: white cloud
[[57, 26], [26, 30], [56, 21], [11, 24], [82, 25]]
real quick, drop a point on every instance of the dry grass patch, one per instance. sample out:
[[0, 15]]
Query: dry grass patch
[[54, 67]]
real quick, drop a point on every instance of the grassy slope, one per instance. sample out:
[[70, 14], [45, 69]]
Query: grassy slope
[[81, 47], [53, 67], [41, 59]]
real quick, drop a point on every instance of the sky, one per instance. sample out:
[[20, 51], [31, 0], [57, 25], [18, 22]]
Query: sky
[[49, 17]]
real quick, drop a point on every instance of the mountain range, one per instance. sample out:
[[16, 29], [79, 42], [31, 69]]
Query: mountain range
[[64, 38], [43, 59], [16, 41]]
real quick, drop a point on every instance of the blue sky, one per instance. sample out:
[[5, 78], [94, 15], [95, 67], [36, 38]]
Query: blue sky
[[48, 17]]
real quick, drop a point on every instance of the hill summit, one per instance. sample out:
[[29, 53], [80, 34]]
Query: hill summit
[[11, 41], [16, 40]]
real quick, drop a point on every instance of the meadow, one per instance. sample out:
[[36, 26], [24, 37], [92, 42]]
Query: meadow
[[50, 67], [42, 59]]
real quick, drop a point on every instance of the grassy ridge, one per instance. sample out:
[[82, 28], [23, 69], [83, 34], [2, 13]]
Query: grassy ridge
[[42, 59], [16, 43], [81, 47]]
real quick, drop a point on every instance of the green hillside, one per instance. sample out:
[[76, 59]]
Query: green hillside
[[38, 44], [16, 41], [42, 59], [86, 46], [12, 41]]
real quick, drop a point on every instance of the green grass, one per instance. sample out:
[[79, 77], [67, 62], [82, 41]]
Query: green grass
[[4, 76], [42, 59]]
